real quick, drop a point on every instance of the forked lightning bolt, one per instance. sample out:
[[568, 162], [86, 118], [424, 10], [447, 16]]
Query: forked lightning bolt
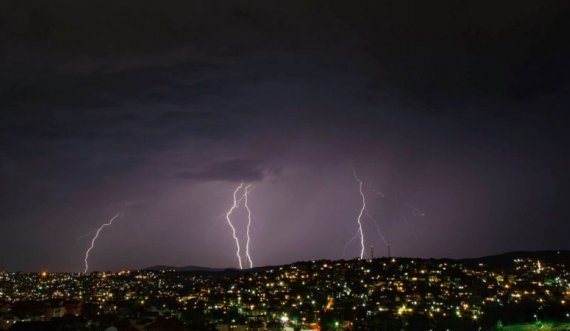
[[364, 210], [234, 234], [245, 198], [95, 239]]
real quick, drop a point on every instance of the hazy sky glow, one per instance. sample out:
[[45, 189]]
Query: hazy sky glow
[[159, 111]]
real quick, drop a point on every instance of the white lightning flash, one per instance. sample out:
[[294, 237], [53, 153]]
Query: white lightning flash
[[245, 198], [245, 203], [362, 210], [95, 239], [234, 234]]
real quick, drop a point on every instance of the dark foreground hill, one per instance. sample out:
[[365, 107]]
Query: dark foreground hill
[[501, 261], [506, 260]]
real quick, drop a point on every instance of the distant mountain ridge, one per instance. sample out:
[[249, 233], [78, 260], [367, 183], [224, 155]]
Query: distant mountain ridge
[[499, 260], [184, 268]]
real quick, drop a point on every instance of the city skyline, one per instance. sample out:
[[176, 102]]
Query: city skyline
[[514, 291]]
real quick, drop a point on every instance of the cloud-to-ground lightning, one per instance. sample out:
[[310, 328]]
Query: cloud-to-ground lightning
[[236, 204], [228, 218], [94, 239], [245, 203], [362, 210]]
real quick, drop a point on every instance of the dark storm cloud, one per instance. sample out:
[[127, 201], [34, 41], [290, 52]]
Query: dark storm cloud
[[240, 170], [122, 107], [442, 53], [433, 55], [182, 84]]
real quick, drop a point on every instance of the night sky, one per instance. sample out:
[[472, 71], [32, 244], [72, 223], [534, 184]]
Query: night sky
[[457, 112]]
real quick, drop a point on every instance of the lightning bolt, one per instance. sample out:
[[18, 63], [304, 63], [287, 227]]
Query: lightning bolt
[[360, 233], [95, 239], [364, 210], [245, 203], [228, 214], [245, 198]]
